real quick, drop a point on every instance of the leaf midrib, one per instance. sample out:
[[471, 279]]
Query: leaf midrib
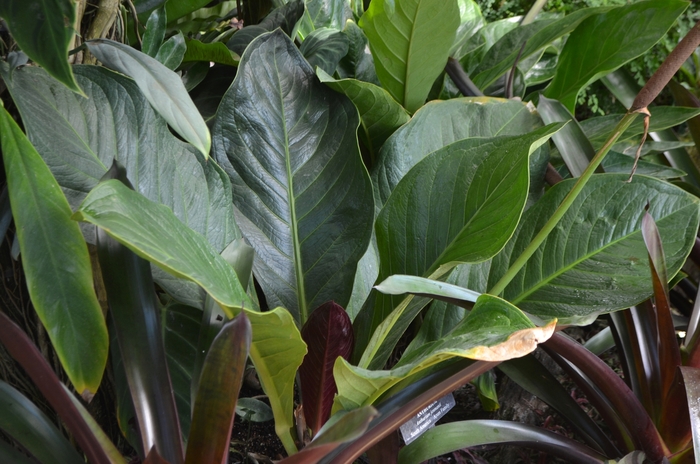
[[296, 246], [575, 263]]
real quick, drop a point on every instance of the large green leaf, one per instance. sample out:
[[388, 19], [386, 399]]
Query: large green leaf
[[509, 48], [155, 32], [598, 129], [25, 422], [210, 52], [380, 114], [302, 195], [324, 13], [153, 232], [460, 204], [79, 138], [470, 21], [573, 145], [440, 123], [595, 260], [55, 260], [358, 63], [410, 42], [324, 48], [494, 330], [604, 42], [277, 352], [457, 435], [161, 87], [180, 8], [44, 30]]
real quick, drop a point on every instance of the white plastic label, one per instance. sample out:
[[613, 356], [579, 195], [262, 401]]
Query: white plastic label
[[426, 418]]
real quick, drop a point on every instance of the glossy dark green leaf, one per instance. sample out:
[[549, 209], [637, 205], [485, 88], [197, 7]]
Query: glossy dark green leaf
[[662, 117], [380, 114], [441, 123], [629, 147], [79, 138], [606, 41], [625, 87], [485, 386], [597, 263], [44, 30], [470, 21], [684, 97], [136, 317], [253, 410], [457, 435], [617, 162], [286, 141], [324, 13], [500, 57], [222, 376], [161, 87], [215, 52], [328, 335], [176, 10], [55, 260], [575, 148], [460, 204], [205, 20], [284, 17], [543, 70], [153, 232], [494, 330], [358, 63], [155, 32], [170, 54], [410, 42], [24, 421], [324, 48], [366, 276]]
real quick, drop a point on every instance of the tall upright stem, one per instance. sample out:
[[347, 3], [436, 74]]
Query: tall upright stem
[[651, 90]]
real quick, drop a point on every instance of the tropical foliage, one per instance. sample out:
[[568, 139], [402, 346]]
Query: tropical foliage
[[298, 183]]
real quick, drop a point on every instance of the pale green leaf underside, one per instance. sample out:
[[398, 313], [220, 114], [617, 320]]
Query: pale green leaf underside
[[152, 231], [79, 138], [161, 86]]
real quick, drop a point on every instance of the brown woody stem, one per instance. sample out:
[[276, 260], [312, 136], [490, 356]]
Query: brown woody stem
[[670, 66]]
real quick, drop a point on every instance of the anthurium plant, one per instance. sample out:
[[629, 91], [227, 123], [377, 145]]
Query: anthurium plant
[[299, 182]]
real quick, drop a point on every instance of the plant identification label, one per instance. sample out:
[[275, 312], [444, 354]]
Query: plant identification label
[[426, 418]]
